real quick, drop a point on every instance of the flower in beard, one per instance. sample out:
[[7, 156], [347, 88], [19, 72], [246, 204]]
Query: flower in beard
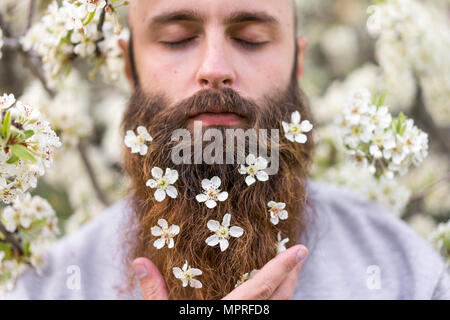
[[222, 232], [137, 143], [277, 211], [295, 131], [281, 244], [163, 183], [254, 169], [211, 192], [187, 274], [165, 233], [245, 277]]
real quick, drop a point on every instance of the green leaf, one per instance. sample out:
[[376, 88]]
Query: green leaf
[[6, 128], [13, 159], [28, 134], [90, 17], [22, 152], [382, 99]]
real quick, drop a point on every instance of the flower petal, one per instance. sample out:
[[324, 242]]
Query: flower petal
[[196, 272], [194, 283], [172, 192], [157, 172], [295, 117], [177, 272], [223, 244], [236, 231], [213, 225], [160, 195], [156, 231], [159, 243], [201, 197], [174, 230], [212, 240], [151, 183], [250, 180], [171, 175], [211, 204], [300, 138], [206, 184], [163, 224], [262, 176], [171, 243], [215, 181], [226, 220], [222, 196]]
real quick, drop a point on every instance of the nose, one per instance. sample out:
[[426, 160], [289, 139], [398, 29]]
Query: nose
[[215, 70]]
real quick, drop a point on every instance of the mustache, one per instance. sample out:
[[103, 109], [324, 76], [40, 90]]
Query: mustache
[[155, 110]]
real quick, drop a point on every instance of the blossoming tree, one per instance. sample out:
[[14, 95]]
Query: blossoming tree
[[377, 79]]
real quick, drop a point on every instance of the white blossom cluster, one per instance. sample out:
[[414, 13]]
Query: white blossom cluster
[[76, 28], [413, 36], [28, 143], [67, 111], [33, 223], [441, 239], [376, 140]]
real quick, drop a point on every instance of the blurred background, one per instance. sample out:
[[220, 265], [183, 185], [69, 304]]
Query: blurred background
[[407, 58]]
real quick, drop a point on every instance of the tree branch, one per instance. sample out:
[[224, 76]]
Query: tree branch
[[82, 148], [9, 237]]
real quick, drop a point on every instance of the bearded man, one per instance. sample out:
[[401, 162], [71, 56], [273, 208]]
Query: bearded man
[[201, 229]]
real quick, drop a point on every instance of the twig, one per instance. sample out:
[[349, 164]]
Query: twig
[[420, 113], [31, 9], [424, 192], [9, 237], [83, 152]]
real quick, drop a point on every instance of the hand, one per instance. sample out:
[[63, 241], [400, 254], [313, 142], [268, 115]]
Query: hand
[[275, 281]]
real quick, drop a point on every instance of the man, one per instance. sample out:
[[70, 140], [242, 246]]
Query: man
[[203, 230]]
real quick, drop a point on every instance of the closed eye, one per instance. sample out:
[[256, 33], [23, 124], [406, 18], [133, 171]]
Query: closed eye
[[178, 44], [249, 45]]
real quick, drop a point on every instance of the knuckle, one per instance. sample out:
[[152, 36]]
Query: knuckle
[[265, 290]]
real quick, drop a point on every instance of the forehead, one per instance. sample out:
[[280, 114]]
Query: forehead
[[144, 12]]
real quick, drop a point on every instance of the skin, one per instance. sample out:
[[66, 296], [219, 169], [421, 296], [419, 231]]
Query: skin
[[183, 46]]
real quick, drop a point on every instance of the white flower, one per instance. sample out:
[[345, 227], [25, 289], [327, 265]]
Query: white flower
[[381, 140], [281, 244], [295, 131], [245, 277], [222, 232], [255, 168], [211, 193], [92, 5], [138, 143], [277, 211], [163, 184], [6, 101], [187, 274], [165, 233]]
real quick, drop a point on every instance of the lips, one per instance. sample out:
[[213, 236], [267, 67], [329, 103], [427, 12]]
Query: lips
[[218, 119]]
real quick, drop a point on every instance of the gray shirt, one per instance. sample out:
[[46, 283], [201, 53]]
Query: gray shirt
[[358, 250]]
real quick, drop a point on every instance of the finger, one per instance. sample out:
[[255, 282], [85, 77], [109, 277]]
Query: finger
[[152, 282], [287, 286], [267, 280]]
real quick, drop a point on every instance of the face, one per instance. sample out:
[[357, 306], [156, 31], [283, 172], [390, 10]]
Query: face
[[227, 64], [183, 46]]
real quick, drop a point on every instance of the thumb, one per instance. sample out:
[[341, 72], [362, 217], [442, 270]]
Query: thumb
[[152, 282]]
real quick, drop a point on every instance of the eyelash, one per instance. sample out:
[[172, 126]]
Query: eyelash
[[183, 43]]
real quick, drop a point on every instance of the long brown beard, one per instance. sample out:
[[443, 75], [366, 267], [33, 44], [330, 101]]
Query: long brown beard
[[246, 204]]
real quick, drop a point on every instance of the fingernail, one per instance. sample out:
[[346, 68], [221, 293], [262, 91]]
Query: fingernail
[[140, 270], [301, 255]]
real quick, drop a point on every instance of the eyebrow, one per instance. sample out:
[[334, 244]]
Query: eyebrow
[[195, 16]]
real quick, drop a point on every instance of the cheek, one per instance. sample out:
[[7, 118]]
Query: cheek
[[167, 74], [264, 73]]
